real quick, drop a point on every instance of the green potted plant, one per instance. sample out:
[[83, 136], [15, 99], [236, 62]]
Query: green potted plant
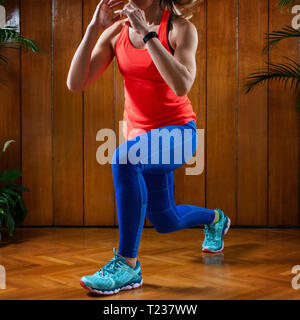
[[11, 38], [12, 208]]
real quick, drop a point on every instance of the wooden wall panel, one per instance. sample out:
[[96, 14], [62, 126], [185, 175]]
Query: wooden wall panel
[[251, 141], [118, 111], [190, 189], [221, 106], [36, 113], [252, 116], [68, 116], [10, 98], [98, 114], [283, 135]]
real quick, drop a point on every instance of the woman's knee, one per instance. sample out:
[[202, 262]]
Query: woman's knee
[[165, 228], [163, 222]]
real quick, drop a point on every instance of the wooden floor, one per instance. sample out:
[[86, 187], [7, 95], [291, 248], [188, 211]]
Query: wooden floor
[[47, 263]]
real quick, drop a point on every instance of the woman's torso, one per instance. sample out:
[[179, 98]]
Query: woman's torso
[[149, 101]]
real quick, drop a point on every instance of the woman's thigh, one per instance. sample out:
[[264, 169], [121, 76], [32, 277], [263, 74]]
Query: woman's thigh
[[159, 150], [160, 193]]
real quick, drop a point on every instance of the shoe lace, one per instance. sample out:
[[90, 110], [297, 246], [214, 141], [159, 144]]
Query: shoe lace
[[112, 266]]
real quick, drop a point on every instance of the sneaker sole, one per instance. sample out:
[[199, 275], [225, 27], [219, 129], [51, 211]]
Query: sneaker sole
[[131, 286], [225, 231]]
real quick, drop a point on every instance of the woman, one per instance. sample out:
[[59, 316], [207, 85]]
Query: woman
[[156, 56]]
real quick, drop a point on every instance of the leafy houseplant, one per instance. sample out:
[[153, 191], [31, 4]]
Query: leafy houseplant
[[12, 208], [11, 38], [284, 73]]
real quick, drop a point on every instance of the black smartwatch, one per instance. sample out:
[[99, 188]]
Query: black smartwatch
[[150, 35]]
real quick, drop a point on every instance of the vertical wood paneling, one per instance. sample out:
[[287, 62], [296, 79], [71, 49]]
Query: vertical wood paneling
[[36, 112], [10, 97], [252, 116], [221, 106], [252, 158], [119, 109], [98, 114], [283, 134], [190, 189], [68, 116]]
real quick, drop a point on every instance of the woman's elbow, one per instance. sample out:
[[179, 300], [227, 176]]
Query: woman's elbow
[[182, 91], [73, 88]]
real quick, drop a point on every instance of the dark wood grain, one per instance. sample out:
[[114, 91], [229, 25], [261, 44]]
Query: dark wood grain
[[10, 119], [251, 141], [118, 112], [252, 117], [283, 185], [36, 100], [68, 116], [221, 107], [190, 188], [98, 115]]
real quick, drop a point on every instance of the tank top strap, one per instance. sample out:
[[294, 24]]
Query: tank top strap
[[162, 26], [122, 36], [164, 29]]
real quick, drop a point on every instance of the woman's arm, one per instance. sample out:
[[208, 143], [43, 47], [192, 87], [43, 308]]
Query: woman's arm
[[179, 70], [79, 68], [88, 62]]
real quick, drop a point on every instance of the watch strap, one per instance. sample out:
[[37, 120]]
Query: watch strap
[[150, 35]]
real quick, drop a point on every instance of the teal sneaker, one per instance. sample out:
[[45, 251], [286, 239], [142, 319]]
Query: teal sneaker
[[116, 275], [214, 233]]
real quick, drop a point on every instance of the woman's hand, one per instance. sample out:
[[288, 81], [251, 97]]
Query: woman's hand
[[102, 15], [136, 17]]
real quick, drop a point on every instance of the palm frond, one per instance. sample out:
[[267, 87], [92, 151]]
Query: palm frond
[[275, 36], [8, 32], [282, 73], [9, 35], [286, 3], [28, 44]]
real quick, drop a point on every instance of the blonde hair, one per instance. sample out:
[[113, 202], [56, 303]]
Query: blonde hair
[[176, 6]]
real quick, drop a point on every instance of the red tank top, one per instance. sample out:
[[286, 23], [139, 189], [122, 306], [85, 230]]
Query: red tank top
[[149, 102]]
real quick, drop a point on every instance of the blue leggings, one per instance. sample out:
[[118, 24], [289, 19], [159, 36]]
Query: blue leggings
[[144, 185]]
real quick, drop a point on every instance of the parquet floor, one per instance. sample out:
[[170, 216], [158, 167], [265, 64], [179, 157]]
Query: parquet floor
[[47, 263]]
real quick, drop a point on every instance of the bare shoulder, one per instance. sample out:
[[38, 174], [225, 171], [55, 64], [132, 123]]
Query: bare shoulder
[[182, 28], [117, 26], [114, 30], [182, 25]]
